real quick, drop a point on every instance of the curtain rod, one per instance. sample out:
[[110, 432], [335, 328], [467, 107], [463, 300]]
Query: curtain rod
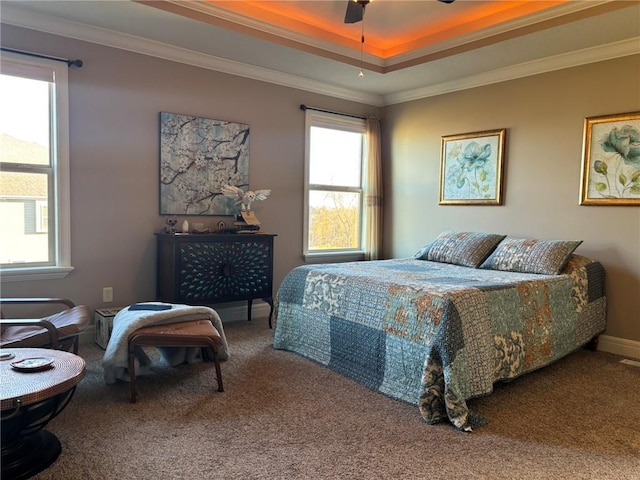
[[304, 107], [70, 63]]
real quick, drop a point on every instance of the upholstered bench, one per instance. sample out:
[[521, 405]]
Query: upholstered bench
[[196, 333]]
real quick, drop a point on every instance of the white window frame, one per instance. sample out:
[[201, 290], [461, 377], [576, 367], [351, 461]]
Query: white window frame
[[59, 197], [314, 118]]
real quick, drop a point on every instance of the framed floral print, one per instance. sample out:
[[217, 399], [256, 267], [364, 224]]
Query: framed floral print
[[611, 160], [471, 167]]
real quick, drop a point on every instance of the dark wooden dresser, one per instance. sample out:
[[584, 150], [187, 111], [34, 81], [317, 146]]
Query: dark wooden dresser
[[206, 269]]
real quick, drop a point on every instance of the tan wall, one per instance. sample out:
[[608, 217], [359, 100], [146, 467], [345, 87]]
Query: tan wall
[[115, 99], [117, 95], [544, 117]]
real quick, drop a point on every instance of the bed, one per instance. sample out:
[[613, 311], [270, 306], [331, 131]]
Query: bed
[[437, 329]]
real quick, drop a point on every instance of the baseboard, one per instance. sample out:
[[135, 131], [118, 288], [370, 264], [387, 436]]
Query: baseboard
[[234, 313], [619, 346]]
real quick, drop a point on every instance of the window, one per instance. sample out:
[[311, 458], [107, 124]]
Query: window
[[334, 186], [34, 168]]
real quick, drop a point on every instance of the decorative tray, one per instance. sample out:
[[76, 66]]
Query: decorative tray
[[33, 364]]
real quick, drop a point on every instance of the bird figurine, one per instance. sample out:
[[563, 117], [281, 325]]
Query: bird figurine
[[242, 198]]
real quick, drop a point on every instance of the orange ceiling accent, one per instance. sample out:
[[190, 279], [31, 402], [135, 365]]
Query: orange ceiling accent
[[291, 15], [485, 15]]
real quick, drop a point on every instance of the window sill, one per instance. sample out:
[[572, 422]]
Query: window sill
[[334, 257], [34, 273]]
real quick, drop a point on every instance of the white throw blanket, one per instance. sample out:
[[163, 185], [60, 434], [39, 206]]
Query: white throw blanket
[[116, 358]]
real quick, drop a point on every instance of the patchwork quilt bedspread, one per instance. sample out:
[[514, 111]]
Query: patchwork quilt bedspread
[[435, 334]]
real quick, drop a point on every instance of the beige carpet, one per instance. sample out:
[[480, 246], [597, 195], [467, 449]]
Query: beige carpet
[[284, 417]]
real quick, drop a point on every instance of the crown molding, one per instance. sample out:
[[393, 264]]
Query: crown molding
[[485, 34], [289, 36], [27, 19], [377, 57], [44, 23], [557, 62]]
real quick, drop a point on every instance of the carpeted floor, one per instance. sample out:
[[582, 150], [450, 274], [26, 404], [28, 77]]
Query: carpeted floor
[[283, 417]]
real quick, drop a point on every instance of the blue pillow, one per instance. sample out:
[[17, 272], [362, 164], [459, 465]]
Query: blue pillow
[[531, 256], [468, 249]]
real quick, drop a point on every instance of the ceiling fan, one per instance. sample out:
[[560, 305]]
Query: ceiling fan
[[355, 10]]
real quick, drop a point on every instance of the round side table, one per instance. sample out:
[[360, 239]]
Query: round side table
[[29, 400]]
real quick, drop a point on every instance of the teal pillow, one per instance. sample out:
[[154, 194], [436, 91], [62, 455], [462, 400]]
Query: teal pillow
[[531, 256], [468, 249], [422, 253]]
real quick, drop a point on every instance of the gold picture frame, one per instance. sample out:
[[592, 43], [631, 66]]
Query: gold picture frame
[[471, 166], [611, 160]]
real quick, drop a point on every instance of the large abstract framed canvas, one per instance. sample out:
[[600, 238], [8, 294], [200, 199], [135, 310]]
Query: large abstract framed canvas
[[471, 167], [197, 156], [611, 160]]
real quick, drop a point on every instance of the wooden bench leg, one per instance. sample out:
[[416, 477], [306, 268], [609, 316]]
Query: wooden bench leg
[[132, 370], [188, 334], [218, 370], [132, 373]]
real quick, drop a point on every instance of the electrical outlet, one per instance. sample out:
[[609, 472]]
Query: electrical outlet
[[107, 294]]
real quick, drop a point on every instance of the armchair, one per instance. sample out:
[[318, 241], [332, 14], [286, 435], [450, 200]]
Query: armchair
[[59, 331]]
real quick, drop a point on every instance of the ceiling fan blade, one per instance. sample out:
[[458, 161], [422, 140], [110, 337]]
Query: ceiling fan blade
[[355, 12]]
